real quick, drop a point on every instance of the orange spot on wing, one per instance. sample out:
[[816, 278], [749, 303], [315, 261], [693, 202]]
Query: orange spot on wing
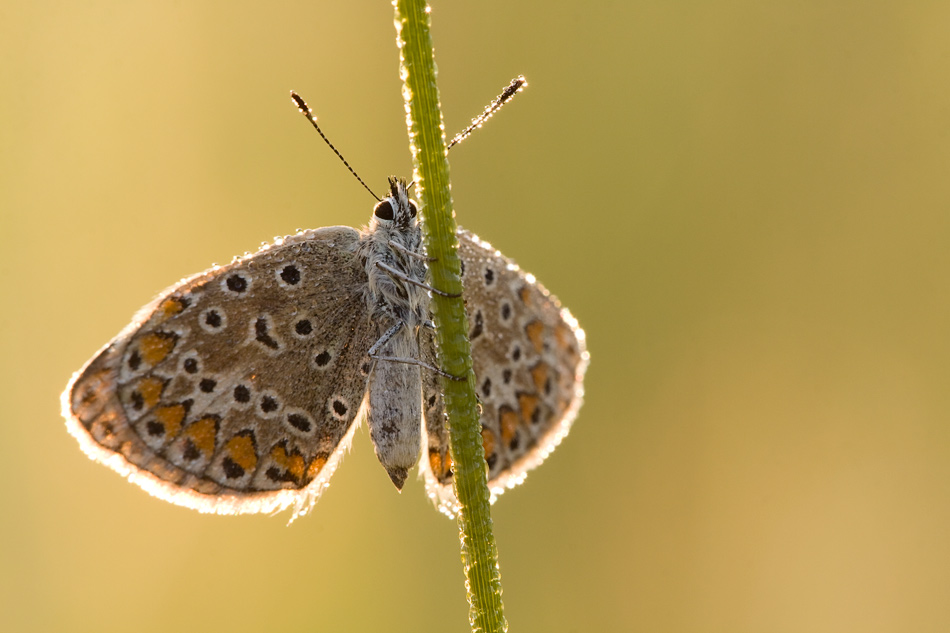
[[527, 403], [171, 418], [241, 449], [535, 332], [315, 467], [169, 308], [155, 347], [292, 463], [539, 373], [525, 294], [488, 442], [564, 336], [509, 424], [151, 391], [440, 466], [203, 434], [435, 463]]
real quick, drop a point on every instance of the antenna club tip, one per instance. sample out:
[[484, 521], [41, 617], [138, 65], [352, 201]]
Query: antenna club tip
[[300, 103]]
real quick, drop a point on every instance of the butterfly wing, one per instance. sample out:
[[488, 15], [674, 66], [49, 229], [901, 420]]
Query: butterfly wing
[[236, 390], [529, 358]]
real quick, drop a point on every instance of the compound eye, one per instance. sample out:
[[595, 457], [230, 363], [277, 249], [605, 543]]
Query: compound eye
[[384, 210], [412, 209]]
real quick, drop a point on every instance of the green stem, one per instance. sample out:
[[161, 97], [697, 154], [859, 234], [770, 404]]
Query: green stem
[[431, 175]]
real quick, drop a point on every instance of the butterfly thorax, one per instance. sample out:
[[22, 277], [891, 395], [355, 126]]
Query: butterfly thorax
[[392, 253]]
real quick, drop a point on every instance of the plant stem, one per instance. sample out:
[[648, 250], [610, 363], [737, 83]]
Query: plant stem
[[431, 175]]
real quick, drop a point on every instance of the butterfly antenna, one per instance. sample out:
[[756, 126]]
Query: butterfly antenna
[[517, 85], [307, 112]]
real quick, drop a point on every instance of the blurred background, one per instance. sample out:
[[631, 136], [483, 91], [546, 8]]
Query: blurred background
[[745, 204]]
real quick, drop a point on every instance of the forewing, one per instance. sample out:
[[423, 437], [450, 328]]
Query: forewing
[[529, 358], [236, 390]]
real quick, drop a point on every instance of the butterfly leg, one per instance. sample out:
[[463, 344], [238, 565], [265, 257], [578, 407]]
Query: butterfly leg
[[419, 363], [386, 337], [406, 278], [405, 251]]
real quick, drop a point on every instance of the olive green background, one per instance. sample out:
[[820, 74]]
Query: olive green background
[[745, 204]]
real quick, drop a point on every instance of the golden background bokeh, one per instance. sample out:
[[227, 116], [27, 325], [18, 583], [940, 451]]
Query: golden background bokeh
[[746, 205]]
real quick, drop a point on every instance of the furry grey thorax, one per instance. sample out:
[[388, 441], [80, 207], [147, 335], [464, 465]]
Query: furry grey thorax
[[395, 221]]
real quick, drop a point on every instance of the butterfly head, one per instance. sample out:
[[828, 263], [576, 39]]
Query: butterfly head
[[396, 210]]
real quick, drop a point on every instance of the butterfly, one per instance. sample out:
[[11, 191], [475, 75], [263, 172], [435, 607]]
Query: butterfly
[[239, 389]]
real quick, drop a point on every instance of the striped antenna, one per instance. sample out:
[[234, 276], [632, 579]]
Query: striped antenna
[[307, 112], [517, 85]]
